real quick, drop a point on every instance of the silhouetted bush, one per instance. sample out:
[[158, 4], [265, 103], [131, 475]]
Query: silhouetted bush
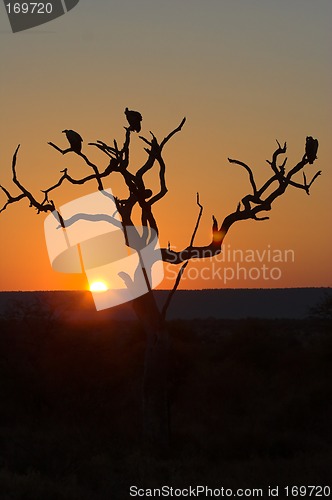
[[323, 309]]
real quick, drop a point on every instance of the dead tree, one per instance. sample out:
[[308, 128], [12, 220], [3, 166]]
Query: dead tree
[[258, 201]]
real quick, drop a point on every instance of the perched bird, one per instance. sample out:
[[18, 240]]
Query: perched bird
[[134, 119], [311, 147], [74, 139]]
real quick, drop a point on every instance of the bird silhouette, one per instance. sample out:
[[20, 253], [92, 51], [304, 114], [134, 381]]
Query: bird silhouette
[[311, 147], [74, 139], [134, 119]]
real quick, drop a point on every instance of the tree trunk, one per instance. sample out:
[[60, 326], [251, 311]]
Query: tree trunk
[[156, 429]]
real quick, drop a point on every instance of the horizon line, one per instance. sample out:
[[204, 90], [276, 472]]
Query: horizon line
[[181, 290]]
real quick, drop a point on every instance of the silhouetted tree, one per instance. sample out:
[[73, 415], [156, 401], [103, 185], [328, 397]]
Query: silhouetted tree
[[258, 201]]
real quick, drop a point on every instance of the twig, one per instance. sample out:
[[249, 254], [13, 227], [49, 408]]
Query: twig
[[172, 292], [248, 169], [198, 220], [183, 267]]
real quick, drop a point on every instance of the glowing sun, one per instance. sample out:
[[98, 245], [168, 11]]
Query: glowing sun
[[98, 286]]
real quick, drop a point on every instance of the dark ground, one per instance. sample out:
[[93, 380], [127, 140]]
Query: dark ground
[[251, 406]]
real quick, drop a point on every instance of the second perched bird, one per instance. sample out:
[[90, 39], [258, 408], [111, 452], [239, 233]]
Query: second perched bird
[[311, 147], [134, 119], [74, 139]]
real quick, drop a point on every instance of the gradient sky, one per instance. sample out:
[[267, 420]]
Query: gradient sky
[[243, 72]]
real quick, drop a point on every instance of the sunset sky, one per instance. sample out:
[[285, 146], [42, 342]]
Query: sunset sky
[[243, 72]]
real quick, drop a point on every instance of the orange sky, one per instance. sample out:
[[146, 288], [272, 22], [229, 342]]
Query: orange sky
[[243, 73]]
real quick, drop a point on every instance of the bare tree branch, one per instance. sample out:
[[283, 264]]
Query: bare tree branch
[[62, 151], [156, 148], [11, 199], [33, 202], [198, 220], [103, 147], [183, 267], [172, 292], [170, 135], [248, 169], [252, 206], [85, 158], [279, 151], [163, 188]]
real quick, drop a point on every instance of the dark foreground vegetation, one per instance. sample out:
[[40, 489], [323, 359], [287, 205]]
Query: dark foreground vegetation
[[250, 402]]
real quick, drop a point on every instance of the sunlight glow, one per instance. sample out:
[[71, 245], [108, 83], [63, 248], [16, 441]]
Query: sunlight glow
[[98, 286]]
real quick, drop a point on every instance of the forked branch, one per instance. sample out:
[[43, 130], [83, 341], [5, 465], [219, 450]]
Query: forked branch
[[250, 206]]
